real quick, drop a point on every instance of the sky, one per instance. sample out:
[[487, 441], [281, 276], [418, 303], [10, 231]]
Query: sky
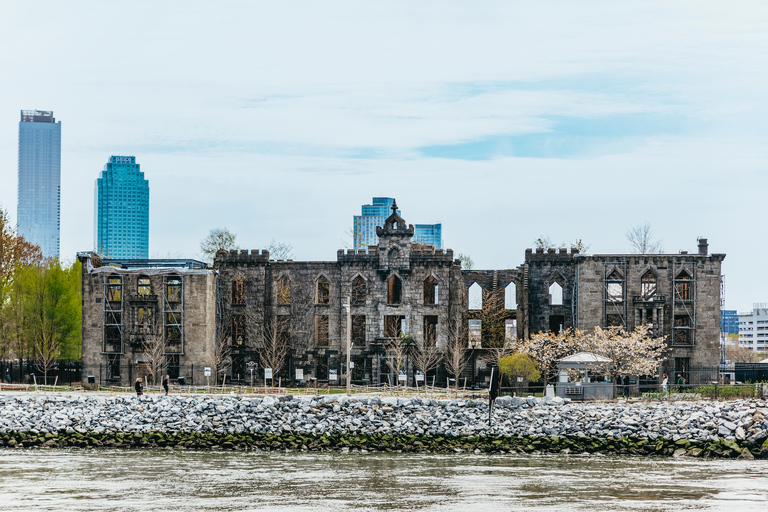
[[505, 121]]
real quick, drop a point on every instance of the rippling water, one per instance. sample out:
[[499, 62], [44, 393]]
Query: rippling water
[[136, 480]]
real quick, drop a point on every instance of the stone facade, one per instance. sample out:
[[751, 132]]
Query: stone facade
[[125, 307], [393, 287], [677, 294]]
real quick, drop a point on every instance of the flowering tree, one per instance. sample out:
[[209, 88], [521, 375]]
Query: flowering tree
[[547, 347], [630, 353]]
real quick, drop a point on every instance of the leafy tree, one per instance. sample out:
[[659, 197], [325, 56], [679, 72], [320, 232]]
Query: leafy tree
[[643, 241], [519, 366], [52, 312], [466, 261], [547, 347], [217, 239]]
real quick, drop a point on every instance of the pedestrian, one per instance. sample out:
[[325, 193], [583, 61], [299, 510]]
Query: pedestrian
[[664, 383], [166, 384], [680, 382], [139, 387], [7, 376], [626, 386]]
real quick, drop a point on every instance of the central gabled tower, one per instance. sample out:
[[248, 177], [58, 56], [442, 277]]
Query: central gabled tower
[[395, 243]]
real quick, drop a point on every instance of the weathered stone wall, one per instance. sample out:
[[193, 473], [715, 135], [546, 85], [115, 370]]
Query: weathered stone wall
[[197, 306]]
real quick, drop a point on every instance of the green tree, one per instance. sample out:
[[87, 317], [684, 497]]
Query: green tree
[[217, 239], [466, 261], [519, 368], [52, 312]]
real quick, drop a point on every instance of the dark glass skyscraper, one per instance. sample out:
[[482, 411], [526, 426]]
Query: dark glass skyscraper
[[38, 207], [121, 210]]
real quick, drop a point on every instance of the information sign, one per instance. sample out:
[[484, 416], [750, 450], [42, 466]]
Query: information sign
[[207, 371], [419, 376], [333, 375], [299, 374], [267, 373], [403, 377]]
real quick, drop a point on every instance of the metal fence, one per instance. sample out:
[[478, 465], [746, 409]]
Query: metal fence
[[24, 371]]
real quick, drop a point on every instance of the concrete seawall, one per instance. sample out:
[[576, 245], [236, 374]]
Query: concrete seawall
[[702, 428]]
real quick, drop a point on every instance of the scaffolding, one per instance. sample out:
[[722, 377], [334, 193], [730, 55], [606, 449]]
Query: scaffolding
[[112, 314], [683, 303], [173, 314], [615, 293]]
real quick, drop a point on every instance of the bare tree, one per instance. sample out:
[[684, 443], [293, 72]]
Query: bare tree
[[154, 353], [643, 240], [221, 356], [456, 355], [396, 352], [280, 250], [276, 343], [425, 353]]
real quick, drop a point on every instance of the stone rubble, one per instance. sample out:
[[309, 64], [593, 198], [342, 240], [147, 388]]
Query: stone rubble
[[702, 421]]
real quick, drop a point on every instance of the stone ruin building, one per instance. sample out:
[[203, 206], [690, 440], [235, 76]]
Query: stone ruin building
[[252, 304]]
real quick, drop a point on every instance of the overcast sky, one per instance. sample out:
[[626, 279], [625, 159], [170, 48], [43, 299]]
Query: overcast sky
[[505, 121]]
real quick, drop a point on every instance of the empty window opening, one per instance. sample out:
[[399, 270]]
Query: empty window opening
[[359, 291], [321, 330], [358, 330], [394, 290], [144, 319], [323, 291], [173, 289], [115, 289], [614, 287], [145, 287], [613, 320], [430, 290], [555, 294], [113, 339], [556, 323], [683, 286], [238, 291], [510, 330], [173, 366], [648, 286], [283, 291], [430, 330], [683, 330], [393, 326], [172, 335], [510, 296], [475, 297], [475, 332]]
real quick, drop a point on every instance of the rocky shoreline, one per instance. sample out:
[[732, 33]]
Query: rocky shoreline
[[737, 428]]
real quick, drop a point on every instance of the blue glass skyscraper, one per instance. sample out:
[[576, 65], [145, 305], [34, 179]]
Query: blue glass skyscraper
[[121, 210], [364, 226], [38, 205]]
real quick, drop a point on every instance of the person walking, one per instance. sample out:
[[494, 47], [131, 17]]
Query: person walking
[[664, 383], [166, 384], [680, 382], [139, 387], [8, 376]]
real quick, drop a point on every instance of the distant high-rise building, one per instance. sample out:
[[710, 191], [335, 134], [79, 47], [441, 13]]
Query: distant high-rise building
[[38, 209], [753, 328], [729, 321], [364, 226], [121, 210]]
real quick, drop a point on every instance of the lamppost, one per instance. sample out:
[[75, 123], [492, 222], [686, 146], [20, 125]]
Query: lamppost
[[348, 308]]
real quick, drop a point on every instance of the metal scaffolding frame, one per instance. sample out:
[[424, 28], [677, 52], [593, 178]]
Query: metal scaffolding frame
[[108, 311], [677, 299], [608, 267], [175, 308]]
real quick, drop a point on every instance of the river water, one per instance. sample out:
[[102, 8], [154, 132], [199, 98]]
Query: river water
[[170, 480]]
